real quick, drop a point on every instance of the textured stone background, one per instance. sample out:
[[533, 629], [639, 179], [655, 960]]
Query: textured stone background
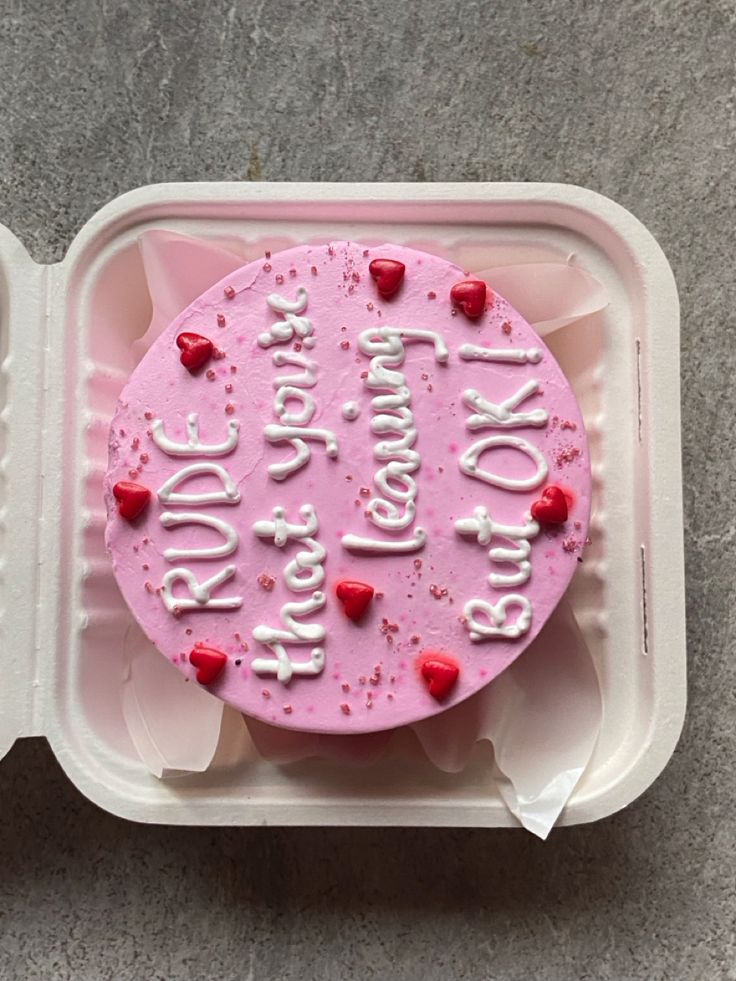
[[633, 99]]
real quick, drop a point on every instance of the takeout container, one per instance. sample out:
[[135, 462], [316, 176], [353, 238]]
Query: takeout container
[[65, 343]]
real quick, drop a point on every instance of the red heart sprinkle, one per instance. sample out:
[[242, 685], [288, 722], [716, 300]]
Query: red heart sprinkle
[[470, 296], [551, 509], [355, 597], [388, 274], [132, 499], [195, 350], [441, 672], [209, 663]]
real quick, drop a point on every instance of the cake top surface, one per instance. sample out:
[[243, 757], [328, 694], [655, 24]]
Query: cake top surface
[[347, 486]]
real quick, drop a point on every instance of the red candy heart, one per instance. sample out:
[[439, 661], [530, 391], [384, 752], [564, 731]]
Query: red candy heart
[[209, 663], [551, 509], [132, 499], [195, 350], [355, 598], [388, 274], [470, 296], [441, 672]]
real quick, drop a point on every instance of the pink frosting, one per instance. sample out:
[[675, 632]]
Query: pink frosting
[[371, 679]]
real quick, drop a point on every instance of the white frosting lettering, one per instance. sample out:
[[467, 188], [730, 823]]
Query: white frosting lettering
[[468, 463], [503, 416], [229, 494], [309, 561], [284, 330], [294, 632], [393, 414], [482, 525], [275, 433], [290, 417], [497, 628], [472, 352], [170, 519], [193, 445], [201, 592], [307, 379], [293, 426], [355, 543]]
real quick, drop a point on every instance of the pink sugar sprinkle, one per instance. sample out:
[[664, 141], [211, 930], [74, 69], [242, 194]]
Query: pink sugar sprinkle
[[233, 369], [265, 692], [313, 270], [431, 295], [229, 388], [435, 591], [221, 320], [279, 278], [288, 709], [365, 492], [364, 374], [267, 253], [345, 686], [345, 708], [229, 292], [211, 375], [148, 586], [570, 544], [266, 581], [390, 696], [369, 306], [229, 408], [568, 424], [135, 443], [148, 415], [345, 345], [565, 455], [506, 327], [133, 474], [417, 563], [267, 267], [144, 458], [145, 567], [415, 638], [188, 631]]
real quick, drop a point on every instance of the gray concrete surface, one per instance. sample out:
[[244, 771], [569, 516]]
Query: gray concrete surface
[[633, 99]]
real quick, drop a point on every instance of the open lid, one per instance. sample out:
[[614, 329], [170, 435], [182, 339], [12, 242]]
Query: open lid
[[22, 397]]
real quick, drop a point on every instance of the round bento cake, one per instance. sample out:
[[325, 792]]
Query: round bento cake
[[347, 486]]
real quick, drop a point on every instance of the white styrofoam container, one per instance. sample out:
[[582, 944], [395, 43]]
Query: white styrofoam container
[[65, 346]]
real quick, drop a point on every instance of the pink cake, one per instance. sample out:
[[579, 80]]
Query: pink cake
[[347, 487]]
